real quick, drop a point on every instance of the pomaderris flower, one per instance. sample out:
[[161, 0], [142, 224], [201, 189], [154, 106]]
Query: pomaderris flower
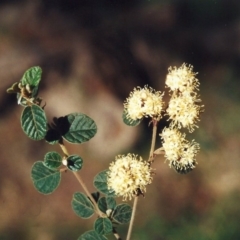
[[143, 102], [182, 78], [129, 175], [180, 153], [183, 108]]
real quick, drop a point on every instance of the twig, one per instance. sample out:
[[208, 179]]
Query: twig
[[150, 160], [132, 218], [64, 149]]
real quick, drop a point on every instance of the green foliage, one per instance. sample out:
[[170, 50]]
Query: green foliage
[[122, 213], [32, 78], [103, 226], [52, 160], [100, 183], [75, 128], [128, 121], [106, 203], [74, 162], [46, 176], [188, 168], [81, 128], [45, 180], [34, 122], [91, 235], [82, 206]]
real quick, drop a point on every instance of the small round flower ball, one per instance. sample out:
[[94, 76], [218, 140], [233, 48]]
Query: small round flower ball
[[129, 175], [182, 78], [188, 158], [144, 102], [172, 141], [184, 110], [178, 151]]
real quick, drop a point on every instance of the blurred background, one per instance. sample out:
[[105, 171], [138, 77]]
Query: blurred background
[[93, 53]]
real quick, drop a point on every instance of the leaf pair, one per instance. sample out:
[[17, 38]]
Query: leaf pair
[[75, 127], [114, 214], [45, 174], [84, 208]]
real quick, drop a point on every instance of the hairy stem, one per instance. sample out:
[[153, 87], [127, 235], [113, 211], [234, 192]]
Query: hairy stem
[[88, 194], [150, 160], [132, 218], [64, 149], [97, 210], [154, 134]]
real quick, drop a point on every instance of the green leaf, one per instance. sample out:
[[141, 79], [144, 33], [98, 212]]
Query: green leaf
[[187, 168], [82, 206], [34, 122], [128, 121], [106, 203], [91, 235], [122, 213], [81, 128], [32, 77], [52, 160], [74, 163], [103, 226], [100, 183], [44, 179]]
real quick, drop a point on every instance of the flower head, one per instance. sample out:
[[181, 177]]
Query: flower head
[[182, 78], [180, 153], [184, 111], [128, 175], [143, 102]]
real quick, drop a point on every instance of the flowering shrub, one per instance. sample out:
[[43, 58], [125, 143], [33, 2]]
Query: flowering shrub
[[129, 175]]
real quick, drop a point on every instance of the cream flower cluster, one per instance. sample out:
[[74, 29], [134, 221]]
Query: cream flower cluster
[[182, 78], [180, 153], [128, 176], [183, 109], [143, 102]]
